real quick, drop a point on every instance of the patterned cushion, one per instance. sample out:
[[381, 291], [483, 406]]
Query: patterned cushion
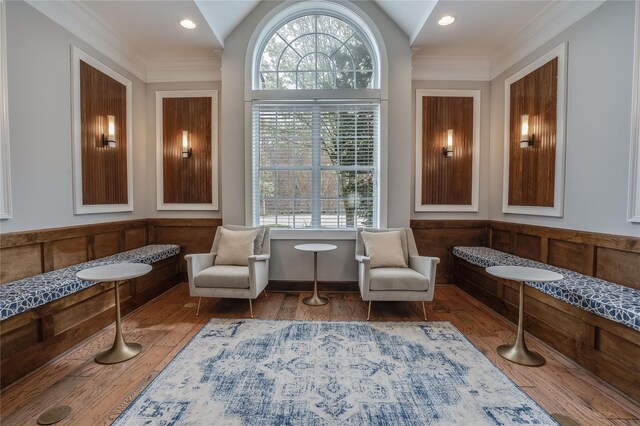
[[612, 301], [27, 293]]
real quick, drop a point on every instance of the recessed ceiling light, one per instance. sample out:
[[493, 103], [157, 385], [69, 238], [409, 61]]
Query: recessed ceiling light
[[446, 20], [188, 24]]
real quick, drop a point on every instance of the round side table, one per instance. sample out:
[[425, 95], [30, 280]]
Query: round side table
[[518, 352], [116, 272], [315, 299]]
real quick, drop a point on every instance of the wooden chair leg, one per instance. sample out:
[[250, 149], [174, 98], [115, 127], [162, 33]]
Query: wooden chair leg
[[424, 311], [198, 309], [250, 308], [369, 311]]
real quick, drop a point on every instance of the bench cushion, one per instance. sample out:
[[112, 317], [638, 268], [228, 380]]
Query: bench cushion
[[28, 293], [606, 299]]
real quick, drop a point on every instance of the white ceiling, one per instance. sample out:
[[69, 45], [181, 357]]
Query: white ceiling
[[480, 27], [144, 35], [153, 27]]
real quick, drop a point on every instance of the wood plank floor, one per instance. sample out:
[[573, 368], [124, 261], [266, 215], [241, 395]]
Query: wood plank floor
[[98, 393]]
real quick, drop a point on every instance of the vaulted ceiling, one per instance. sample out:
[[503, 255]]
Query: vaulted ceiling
[[481, 42]]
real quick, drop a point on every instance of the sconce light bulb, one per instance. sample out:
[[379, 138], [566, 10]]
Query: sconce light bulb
[[111, 128], [524, 130], [450, 139], [185, 140]]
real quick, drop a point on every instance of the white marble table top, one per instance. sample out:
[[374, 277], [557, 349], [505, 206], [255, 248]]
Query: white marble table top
[[524, 273], [114, 272], [315, 247]]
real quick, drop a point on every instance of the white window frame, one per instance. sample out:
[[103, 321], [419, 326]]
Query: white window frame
[[6, 210], [160, 204], [78, 55], [557, 210], [316, 167], [475, 152], [278, 16]]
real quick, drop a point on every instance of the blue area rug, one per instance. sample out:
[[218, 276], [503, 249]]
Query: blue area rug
[[250, 372]]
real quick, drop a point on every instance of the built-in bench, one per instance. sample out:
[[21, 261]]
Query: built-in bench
[[29, 293], [608, 300], [45, 310], [593, 321]]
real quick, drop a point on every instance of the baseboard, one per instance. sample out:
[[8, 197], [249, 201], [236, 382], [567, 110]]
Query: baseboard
[[325, 286]]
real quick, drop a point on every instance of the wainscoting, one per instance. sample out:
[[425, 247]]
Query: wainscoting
[[608, 349], [34, 337], [438, 237]]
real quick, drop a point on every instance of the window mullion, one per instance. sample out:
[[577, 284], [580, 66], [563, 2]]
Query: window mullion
[[316, 149]]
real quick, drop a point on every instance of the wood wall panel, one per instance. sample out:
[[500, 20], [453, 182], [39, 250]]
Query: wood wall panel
[[106, 244], [134, 238], [532, 169], [70, 251], [438, 237], [618, 266], [501, 240], [19, 262], [527, 246], [187, 180], [447, 180], [193, 235], [104, 169], [573, 256]]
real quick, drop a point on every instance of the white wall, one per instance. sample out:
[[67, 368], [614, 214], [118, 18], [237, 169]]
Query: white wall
[[289, 264], [39, 80], [600, 54], [485, 106], [151, 206]]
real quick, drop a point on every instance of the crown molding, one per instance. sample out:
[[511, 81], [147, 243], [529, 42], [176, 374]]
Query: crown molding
[[182, 70], [547, 24], [473, 68], [84, 24]]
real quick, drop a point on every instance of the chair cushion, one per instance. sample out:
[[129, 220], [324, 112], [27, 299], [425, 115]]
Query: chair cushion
[[235, 247], [223, 276], [397, 279], [384, 249]]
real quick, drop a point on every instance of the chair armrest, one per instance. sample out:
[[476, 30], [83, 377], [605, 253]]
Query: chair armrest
[[198, 262], [363, 259], [423, 265], [259, 257]]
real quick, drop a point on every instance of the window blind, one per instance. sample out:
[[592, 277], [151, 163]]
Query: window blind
[[315, 165]]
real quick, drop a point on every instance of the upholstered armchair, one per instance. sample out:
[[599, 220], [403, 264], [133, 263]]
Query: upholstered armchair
[[390, 269], [237, 266]]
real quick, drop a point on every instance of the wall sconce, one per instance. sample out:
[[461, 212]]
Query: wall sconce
[[448, 150], [109, 139], [187, 152], [526, 140]]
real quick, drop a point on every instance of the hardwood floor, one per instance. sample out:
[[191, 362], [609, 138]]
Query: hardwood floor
[[98, 393]]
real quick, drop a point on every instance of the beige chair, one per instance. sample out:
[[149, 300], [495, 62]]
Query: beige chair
[[413, 283], [209, 280]]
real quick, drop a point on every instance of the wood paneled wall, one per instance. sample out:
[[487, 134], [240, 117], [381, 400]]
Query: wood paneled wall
[[438, 237], [447, 180], [532, 169], [187, 180], [193, 235], [104, 169], [23, 254], [613, 258]]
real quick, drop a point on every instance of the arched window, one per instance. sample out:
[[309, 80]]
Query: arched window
[[316, 52], [316, 120]]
